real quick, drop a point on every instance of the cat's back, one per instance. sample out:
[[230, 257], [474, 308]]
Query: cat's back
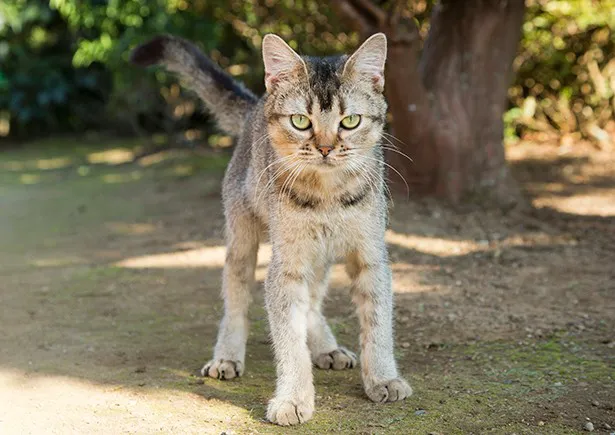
[[252, 137]]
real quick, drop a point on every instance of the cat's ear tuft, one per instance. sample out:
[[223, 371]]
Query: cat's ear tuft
[[369, 60], [280, 60], [150, 53]]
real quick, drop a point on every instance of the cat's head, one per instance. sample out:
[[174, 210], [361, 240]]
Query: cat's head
[[325, 112]]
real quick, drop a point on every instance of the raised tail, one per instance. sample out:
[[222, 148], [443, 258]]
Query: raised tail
[[228, 100]]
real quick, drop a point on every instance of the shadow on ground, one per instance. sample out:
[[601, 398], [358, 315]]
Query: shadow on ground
[[110, 284]]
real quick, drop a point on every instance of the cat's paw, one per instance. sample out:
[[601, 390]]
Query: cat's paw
[[285, 412], [389, 391], [340, 359], [222, 369]]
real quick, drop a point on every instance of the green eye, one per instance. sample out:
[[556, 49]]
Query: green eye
[[300, 122], [351, 121]]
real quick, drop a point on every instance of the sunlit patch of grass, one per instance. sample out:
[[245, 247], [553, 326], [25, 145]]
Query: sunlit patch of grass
[[122, 177], [113, 156], [29, 178], [53, 163]]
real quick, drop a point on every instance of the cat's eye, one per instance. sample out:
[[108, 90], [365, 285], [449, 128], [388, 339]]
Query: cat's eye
[[300, 122], [351, 121]]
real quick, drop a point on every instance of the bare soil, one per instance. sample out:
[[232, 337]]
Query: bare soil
[[109, 296]]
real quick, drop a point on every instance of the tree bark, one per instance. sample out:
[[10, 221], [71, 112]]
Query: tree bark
[[447, 102]]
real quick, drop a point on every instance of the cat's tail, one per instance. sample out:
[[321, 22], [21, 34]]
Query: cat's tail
[[225, 98]]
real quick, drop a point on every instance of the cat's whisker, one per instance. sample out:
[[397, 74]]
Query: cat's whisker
[[290, 188], [382, 136], [366, 173], [392, 148], [376, 176], [295, 172], [258, 141], [396, 151], [260, 175], [391, 167], [396, 138], [285, 167], [370, 180]]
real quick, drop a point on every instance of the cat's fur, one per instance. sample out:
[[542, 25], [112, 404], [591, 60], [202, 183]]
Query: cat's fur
[[316, 210]]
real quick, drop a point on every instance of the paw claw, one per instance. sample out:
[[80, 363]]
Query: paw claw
[[392, 390], [289, 412], [339, 359], [222, 369]]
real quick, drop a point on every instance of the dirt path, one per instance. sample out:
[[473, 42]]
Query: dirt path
[[109, 296]]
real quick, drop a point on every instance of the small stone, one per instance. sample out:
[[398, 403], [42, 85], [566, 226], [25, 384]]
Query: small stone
[[405, 345], [541, 423], [558, 384], [595, 403], [420, 412], [607, 426], [589, 426]]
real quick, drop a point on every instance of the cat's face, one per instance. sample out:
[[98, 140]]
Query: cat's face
[[325, 113]]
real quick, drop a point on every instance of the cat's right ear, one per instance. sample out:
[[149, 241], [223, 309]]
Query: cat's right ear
[[281, 61]]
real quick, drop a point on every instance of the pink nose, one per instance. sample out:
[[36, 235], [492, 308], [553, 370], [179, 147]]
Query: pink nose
[[325, 150]]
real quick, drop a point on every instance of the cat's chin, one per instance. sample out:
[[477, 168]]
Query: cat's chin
[[327, 165]]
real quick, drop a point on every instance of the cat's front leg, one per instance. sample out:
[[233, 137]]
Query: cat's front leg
[[372, 293], [287, 300]]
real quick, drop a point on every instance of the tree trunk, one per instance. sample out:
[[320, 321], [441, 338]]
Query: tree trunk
[[447, 104]]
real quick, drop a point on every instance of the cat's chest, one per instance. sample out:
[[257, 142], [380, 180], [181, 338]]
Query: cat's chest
[[329, 232]]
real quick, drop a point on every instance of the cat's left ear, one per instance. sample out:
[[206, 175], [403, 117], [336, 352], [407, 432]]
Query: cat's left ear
[[368, 61]]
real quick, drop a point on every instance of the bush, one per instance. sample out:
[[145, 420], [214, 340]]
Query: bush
[[565, 79], [40, 89]]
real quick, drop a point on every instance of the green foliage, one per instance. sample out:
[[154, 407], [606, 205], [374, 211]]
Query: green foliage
[[64, 65], [565, 79], [38, 85]]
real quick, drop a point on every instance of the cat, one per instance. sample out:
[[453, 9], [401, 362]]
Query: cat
[[308, 170]]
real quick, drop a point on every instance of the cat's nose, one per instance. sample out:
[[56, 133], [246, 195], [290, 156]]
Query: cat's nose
[[325, 150]]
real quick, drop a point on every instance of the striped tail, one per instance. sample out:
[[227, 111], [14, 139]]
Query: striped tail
[[228, 100]]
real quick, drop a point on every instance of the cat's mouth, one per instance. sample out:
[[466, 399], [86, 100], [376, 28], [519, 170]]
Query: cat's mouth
[[327, 163]]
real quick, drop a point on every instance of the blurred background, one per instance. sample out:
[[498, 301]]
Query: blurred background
[[64, 64]]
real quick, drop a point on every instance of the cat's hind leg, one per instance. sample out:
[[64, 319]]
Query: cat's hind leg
[[324, 350], [242, 233]]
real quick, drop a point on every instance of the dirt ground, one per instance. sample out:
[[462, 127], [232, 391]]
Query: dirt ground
[[109, 299]]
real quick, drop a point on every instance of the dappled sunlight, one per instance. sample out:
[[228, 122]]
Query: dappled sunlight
[[41, 164], [30, 178], [53, 163], [122, 177], [57, 261], [113, 156], [596, 202], [441, 247], [432, 245], [210, 257], [36, 402], [126, 228], [156, 158], [13, 166], [410, 278], [182, 170]]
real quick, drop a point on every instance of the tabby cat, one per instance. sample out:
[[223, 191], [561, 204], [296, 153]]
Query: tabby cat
[[308, 171]]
